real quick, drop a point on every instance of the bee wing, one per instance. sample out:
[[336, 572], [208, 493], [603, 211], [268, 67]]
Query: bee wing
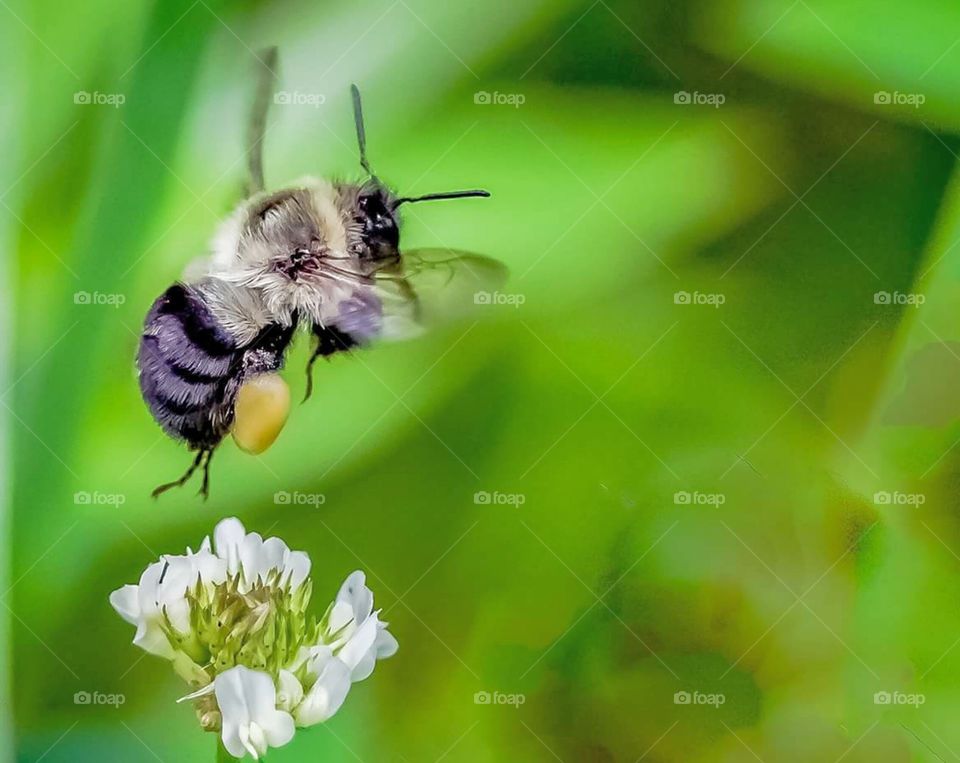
[[422, 289], [430, 287]]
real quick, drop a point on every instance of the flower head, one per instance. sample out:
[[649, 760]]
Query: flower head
[[232, 618]]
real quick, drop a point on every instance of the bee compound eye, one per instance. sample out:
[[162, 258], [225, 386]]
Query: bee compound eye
[[261, 410]]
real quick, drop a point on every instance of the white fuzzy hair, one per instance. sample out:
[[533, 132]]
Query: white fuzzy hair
[[246, 293]]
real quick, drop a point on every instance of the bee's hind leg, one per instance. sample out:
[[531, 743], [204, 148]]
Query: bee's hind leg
[[157, 491], [205, 486]]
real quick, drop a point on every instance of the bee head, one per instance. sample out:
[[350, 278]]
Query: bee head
[[374, 213], [376, 206]]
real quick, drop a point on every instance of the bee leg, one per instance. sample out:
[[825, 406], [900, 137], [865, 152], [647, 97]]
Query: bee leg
[[313, 359], [329, 341], [205, 486], [182, 481]]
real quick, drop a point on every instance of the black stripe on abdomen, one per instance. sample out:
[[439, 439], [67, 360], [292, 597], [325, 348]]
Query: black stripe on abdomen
[[187, 363]]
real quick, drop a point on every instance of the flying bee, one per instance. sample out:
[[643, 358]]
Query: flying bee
[[322, 256]]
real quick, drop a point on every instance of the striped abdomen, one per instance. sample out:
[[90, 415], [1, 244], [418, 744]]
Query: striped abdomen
[[191, 369]]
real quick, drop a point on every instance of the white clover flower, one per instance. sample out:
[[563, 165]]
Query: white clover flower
[[251, 721], [232, 620]]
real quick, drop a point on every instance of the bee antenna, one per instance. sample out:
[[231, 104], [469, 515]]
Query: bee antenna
[[445, 195], [258, 119], [361, 131]]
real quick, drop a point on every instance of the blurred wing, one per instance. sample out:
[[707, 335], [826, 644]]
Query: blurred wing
[[431, 287], [423, 289]]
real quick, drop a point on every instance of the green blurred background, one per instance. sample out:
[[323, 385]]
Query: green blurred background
[[788, 584]]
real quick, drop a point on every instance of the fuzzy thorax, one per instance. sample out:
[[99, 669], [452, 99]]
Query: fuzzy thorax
[[283, 254]]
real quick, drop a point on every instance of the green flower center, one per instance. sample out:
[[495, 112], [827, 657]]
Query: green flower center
[[260, 626]]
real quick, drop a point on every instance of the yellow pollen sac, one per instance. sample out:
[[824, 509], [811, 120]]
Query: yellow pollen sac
[[262, 407]]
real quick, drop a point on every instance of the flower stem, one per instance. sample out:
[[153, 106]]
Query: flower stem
[[222, 755]]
